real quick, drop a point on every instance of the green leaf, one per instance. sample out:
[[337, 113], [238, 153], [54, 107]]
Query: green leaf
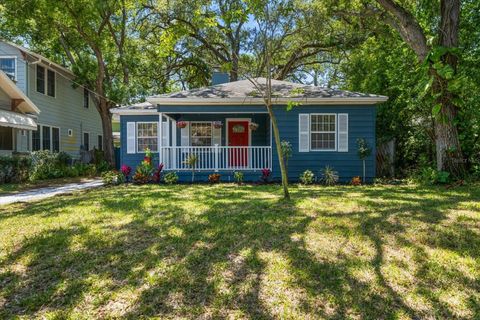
[[292, 104], [436, 109]]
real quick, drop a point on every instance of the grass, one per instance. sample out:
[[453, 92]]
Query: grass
[[377, 252], [12, 188]]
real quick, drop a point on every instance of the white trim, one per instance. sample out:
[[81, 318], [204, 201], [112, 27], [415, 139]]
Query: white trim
[[16, 64], [307, 132], [136, 134], [260, 101], [249, 120], [14, 92], [310, 132], [134, 147], [133, 112], [342, 132], [70, 132]]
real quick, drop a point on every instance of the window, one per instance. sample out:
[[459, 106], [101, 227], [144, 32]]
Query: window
[[323, 131], [36, 139], [9, 66], [201, 133], [86, 100], [46, 138], [40, 79], [86, 141], [6, 138], [55, 139], [51, 83], [147, 136], [100, 142]]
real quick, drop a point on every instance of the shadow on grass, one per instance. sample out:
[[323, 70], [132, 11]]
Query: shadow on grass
[[192, 252]]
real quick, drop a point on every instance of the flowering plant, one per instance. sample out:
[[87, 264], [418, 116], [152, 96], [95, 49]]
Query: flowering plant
[[217, 124], [253, 126], [157, 175], [181, 124], [126, 170], [266, 172], [214, 178]]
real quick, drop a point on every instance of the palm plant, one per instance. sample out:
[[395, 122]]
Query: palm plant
[[191, 161]]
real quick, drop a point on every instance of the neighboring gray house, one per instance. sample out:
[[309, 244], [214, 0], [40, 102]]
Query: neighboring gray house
[[67, 118]]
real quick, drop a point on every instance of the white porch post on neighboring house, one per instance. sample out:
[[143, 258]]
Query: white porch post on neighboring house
[[160, 137], [174, 144]]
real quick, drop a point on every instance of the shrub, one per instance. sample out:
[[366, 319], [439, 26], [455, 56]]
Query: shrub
[[356, 181], [214, 178], [307, 177], [238, 177], [429, 175], [329, 176], [14, 169], [266, 172], [113, 177], [171, 178]]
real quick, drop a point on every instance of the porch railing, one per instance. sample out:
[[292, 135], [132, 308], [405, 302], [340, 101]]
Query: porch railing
[[217, 158]]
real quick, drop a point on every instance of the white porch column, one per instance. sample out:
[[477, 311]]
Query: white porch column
[[160, 137]]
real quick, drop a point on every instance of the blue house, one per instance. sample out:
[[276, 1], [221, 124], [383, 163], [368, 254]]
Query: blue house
[[228, 128]]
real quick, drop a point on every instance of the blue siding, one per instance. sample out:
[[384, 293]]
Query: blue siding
[[132, 159], [361, 125]]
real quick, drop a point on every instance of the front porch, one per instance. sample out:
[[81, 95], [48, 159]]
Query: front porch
[[218, 142]]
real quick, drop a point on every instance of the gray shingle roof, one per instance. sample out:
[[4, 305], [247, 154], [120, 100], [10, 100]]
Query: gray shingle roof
[[246, 89]]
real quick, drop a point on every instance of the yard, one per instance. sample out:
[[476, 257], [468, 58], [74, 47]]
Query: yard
[[240, 252]]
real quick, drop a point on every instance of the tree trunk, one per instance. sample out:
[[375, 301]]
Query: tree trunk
[[106, 117], [276, 135]]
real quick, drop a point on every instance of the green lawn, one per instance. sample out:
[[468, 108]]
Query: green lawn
[[240, 252]]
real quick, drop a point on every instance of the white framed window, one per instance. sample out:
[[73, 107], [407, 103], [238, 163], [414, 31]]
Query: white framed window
[[201, 134], [45, 81], [9, 66], [147, 136], [323, 132], [46, 138]]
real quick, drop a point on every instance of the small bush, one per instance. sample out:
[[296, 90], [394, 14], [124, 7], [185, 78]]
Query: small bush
[[266, 172], [329, 176], [430, 176], [14, 169], [214, 178], [171, 178], [307, 177], [238, 177], [113, 177], [356, 181]]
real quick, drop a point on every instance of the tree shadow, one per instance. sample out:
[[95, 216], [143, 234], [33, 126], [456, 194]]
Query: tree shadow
[[203, 252]]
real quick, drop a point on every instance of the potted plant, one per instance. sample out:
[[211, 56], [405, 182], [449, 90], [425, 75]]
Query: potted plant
[[181, 124], [253, 126], [217, 124]]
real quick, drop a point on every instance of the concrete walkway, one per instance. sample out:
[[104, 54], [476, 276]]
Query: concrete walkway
[[47, 192]]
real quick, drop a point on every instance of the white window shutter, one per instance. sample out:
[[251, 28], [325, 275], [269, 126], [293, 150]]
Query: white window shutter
[[217, 136], [303, 132], [342, 132], [185, 135], [131, 137]]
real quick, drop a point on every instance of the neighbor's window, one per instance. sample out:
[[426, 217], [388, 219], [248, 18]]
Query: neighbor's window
[[40, 79], [46, 139], [147, 136], [6, 138], [36, 145], [51, 83], [100, 142], [85, 98], [323, 131], [8, 65], [86, 141], [55, 139], [201, 133]]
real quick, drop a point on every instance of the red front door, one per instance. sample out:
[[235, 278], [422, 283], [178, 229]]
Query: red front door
[[238, 137]]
